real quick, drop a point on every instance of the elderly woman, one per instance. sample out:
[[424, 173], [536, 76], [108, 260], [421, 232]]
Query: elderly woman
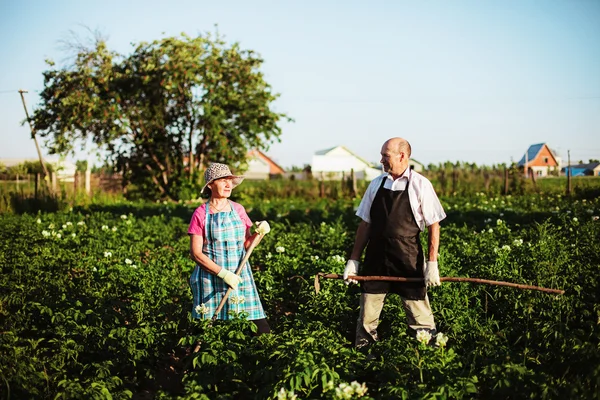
[[220, 232]]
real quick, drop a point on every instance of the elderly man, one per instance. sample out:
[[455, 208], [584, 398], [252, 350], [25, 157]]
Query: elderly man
[[395, 209]]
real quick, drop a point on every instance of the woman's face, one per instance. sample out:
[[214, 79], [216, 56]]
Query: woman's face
[[221, 188]]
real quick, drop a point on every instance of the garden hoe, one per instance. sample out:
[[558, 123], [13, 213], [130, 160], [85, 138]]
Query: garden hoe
[[238, 271], [442, 279]]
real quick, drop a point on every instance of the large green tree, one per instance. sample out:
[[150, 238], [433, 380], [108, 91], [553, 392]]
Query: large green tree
[[163, 112]]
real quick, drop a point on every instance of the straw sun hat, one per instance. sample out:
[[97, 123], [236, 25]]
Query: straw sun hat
[[218, 171]]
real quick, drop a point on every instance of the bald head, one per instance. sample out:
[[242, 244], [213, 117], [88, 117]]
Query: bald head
[[399, 145], [395, 153]]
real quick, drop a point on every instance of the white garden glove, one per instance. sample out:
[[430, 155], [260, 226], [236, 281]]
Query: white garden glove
[[350, 271], [230, 278], [262, 227], [432, 274]]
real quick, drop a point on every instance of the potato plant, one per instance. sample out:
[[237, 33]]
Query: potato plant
[[95, 303]]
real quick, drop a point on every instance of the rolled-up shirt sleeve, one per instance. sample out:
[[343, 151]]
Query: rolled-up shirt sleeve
[[364, 208], [196, 226], [431, 208]]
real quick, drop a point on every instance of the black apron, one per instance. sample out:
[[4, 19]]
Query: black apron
[[394, 247]]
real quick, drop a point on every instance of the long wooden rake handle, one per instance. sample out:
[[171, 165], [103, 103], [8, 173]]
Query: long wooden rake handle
[[238, 271], [442, 279]]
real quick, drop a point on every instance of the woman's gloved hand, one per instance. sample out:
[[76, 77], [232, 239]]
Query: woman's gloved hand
[[262, 227], [230, 278]]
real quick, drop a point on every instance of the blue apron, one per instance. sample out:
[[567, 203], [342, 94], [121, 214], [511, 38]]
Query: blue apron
[[225, 234]]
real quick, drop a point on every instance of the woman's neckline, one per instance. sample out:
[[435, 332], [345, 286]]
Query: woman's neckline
[[215, 210]]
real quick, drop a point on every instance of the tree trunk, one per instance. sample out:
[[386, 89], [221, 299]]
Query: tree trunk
[[191, 155]]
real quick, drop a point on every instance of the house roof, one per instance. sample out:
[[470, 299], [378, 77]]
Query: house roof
[[588, 166], [324, 152], [327, 151], [274, 167], [533, 151]]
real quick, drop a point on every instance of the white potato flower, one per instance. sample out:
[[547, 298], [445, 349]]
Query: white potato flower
[[285, 395], [201, 309], [441, 340], [423, 336], [350, 391]]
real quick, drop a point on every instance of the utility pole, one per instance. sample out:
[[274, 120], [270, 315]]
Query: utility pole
[[568, 172], [37, 146]]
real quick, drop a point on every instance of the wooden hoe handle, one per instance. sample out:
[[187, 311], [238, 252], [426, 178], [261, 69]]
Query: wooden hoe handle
[[238, 271], [442, 279]]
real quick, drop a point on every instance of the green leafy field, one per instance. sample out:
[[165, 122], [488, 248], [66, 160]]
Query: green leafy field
[[95, 303]]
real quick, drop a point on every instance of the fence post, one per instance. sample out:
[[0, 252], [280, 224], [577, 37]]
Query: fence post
[[75, 182], [37, 183], [505, 180], [322, 186], [88, 186], [533, 181], [443, 180], [486, 180], [454, 179], [53, 182]]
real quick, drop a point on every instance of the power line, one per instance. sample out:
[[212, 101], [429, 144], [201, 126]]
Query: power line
[[17, 90]]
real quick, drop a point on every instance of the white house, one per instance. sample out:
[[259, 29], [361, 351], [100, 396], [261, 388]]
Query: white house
[[540, 159], [415, 165], [337, 162]]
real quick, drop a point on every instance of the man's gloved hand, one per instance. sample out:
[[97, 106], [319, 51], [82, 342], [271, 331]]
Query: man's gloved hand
[[350, 271], [432, 274], [262, 227], [230, 278]]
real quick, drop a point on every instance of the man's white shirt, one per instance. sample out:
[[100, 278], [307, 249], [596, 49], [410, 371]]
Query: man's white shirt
[[425, 205]]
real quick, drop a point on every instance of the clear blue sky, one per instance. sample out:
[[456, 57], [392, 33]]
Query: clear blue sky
[[475, 81]]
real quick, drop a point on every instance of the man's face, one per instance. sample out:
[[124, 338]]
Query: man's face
[[392, 160]]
